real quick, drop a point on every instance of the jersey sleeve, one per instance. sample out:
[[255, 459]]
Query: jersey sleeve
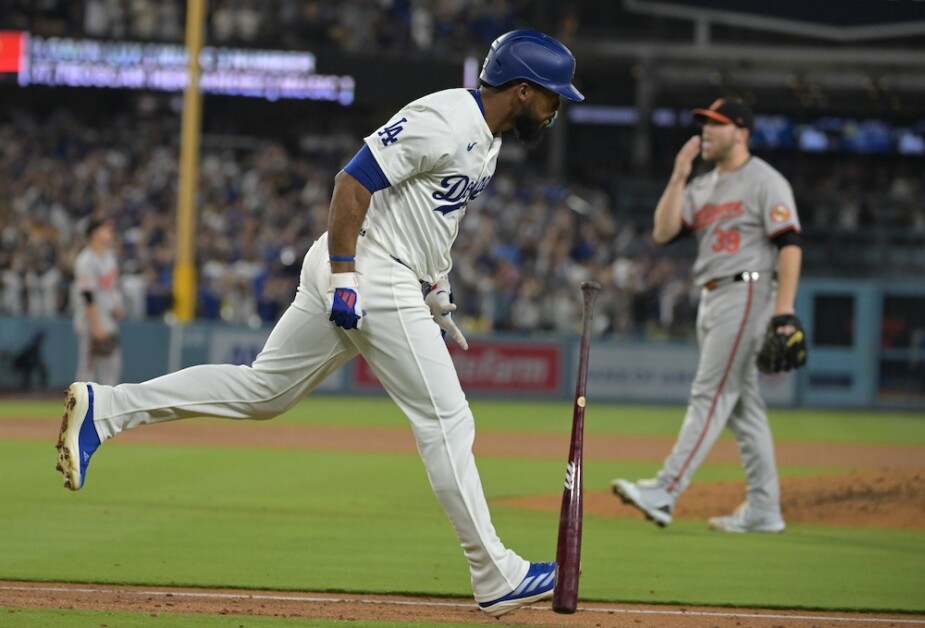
[[417, 139], [778, 207]]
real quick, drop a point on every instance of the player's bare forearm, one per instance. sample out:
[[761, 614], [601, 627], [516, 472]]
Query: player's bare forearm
[[789, 261], [349, 204], [667, 222], [668, 212]]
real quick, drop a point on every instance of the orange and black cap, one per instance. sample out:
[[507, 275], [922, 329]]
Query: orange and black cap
[[728, 111]]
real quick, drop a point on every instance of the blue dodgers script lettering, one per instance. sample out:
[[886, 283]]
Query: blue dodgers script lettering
[[391, 132], [459, 191]]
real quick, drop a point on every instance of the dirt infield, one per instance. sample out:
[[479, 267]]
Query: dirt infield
[[882, 485], [350, 607]]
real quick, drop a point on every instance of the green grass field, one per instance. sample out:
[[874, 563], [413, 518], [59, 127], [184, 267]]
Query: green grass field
[[325, 521]]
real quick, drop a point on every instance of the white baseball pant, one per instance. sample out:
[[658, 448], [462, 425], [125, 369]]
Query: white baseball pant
[[405, 349]]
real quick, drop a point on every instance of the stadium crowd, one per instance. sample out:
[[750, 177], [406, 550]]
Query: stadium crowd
[[524, 245], [432, 27]]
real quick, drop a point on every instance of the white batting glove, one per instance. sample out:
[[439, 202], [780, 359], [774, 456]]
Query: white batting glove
[[437, 297], [344, 304]]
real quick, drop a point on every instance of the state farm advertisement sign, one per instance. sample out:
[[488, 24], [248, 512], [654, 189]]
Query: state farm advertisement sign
[[497, 367]]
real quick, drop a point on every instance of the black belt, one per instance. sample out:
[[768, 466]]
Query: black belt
[[748, 275]]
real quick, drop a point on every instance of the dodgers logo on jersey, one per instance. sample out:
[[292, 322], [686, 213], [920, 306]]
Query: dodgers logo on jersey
[[459, 191], [391, 132]]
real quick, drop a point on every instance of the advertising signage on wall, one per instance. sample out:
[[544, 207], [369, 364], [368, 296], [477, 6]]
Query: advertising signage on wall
[[269, 74], [495, 367]]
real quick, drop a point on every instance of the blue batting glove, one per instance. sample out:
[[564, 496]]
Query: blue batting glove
[[345, 304]]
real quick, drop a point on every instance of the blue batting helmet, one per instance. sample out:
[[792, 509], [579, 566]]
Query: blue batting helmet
[[531, 56]]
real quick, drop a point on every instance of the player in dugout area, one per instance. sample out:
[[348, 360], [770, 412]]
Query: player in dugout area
[[375, 284], [744, 218]]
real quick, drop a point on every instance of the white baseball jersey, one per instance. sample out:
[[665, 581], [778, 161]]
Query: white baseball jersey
[[438, 153], [98, 274], [735, 216]]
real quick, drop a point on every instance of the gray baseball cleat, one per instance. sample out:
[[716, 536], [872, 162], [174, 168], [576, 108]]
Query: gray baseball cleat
[[654, 501], [748, 519]]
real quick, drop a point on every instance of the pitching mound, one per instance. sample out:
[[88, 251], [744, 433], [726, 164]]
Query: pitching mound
[[886, 498]]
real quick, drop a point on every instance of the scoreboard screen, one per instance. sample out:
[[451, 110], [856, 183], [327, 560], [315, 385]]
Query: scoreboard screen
[[269, 74]]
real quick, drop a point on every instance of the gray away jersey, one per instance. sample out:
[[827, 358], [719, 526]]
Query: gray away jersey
[[99, 275], [735, 216]]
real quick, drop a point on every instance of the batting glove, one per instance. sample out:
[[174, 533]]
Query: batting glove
[[438, 299], [345, 305]]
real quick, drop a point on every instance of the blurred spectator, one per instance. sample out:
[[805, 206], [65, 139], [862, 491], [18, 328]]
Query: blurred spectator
[[447, 28], [523, 247]]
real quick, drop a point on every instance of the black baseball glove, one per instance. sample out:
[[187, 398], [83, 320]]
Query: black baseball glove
[[105, 347], [782, 351]]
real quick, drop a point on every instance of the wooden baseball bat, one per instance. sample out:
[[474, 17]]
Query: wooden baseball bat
[[568, 550]]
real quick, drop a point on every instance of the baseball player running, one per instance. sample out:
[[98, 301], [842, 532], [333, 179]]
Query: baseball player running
[[748, 263], [376, 284]]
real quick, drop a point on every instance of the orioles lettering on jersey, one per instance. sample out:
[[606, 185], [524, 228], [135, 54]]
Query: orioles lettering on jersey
[[391, 131], [710, 213], [459, 191]]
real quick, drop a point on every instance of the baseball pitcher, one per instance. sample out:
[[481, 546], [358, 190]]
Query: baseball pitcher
[[744, 218]]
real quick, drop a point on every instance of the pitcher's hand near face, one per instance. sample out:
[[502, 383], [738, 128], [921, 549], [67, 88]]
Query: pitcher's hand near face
[[684, 161], [667, 220]]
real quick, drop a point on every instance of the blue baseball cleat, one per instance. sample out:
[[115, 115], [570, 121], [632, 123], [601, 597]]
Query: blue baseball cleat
[[537, 585], [78, 438]]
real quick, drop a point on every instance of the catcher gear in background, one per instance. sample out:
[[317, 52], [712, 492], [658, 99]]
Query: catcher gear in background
[[782, 351]]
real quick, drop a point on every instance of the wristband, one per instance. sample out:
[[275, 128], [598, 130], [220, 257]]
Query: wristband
[[340, 258]]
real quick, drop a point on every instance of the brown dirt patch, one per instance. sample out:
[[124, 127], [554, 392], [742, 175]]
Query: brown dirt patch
[[885, 498], [353, 607]]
